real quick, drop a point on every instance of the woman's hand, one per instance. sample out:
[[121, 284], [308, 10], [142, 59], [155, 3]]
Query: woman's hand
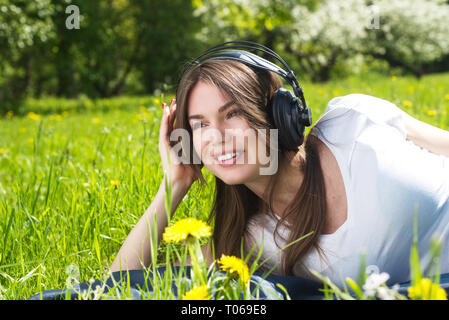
[[179, 172]]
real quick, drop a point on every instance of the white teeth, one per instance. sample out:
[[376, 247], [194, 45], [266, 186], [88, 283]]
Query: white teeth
[[226, 156]]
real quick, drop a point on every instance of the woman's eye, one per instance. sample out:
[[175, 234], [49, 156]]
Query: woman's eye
[[229, 115], [233, 113], [196, 125]]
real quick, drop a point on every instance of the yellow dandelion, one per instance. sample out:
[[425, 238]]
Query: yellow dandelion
[[407, 103], [30, 140], [57, 117], [33, 116], [431, 113], [9, 114], [234, 267], [426, 290], [446, 96], [394, 78], [3, 150], [96, 120], [157, 101], [185, 228], [335, 92], [114, 183], [197, 293]]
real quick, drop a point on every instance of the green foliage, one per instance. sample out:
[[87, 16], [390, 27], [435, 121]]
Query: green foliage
[[138, 47], [24, 27], [74, 182], [121, 45]]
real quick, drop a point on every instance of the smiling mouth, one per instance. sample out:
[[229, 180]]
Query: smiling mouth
[[228, 156], [228, 159]]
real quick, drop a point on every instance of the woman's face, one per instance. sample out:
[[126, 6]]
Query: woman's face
[[222, 136]]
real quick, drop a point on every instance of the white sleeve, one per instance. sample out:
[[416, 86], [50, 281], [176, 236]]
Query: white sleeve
[[378, 110]]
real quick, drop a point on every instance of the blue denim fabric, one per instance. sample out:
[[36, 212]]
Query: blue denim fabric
[[139, 280], [297, 288]]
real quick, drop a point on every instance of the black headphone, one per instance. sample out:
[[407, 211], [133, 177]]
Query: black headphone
[[289, 110]]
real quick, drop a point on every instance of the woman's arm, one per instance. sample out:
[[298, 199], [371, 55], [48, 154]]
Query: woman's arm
[[136, 249], [427, 136]]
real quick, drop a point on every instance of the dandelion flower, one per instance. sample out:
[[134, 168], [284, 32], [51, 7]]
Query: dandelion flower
[[114, 183], [30, 140], [234, 267], [96, 120], [446, 96], [197, 293], [394, 78], [55, 117], [426, 290], [33, 116], [431, 113], [407, 103], [184, 228], [335, 92]]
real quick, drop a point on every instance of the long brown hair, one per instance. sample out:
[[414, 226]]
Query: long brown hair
[[234, 205]]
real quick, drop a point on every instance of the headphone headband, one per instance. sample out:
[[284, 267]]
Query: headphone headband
[[251, 59]]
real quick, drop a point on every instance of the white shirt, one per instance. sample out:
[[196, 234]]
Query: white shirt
[[385, 177]]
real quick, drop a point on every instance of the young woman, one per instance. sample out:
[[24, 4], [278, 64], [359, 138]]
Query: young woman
[[355, 182]]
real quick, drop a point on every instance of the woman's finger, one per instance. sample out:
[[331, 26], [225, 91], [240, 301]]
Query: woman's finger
[[163, 134], [172, 113]]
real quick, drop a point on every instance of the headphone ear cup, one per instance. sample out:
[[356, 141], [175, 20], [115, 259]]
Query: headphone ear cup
[[286, 112]]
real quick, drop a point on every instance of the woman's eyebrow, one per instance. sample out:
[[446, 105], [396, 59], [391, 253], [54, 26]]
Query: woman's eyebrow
[[221, 109]]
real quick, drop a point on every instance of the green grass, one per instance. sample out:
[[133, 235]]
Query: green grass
[[58, 206]]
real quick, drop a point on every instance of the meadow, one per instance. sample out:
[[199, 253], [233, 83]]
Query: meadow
[[76, 175]]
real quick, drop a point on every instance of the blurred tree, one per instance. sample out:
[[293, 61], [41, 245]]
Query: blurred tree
[[138, 46], [322, 38], [268, 22], [411, 37], [24, 26], [105, 48], [167, 31]]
